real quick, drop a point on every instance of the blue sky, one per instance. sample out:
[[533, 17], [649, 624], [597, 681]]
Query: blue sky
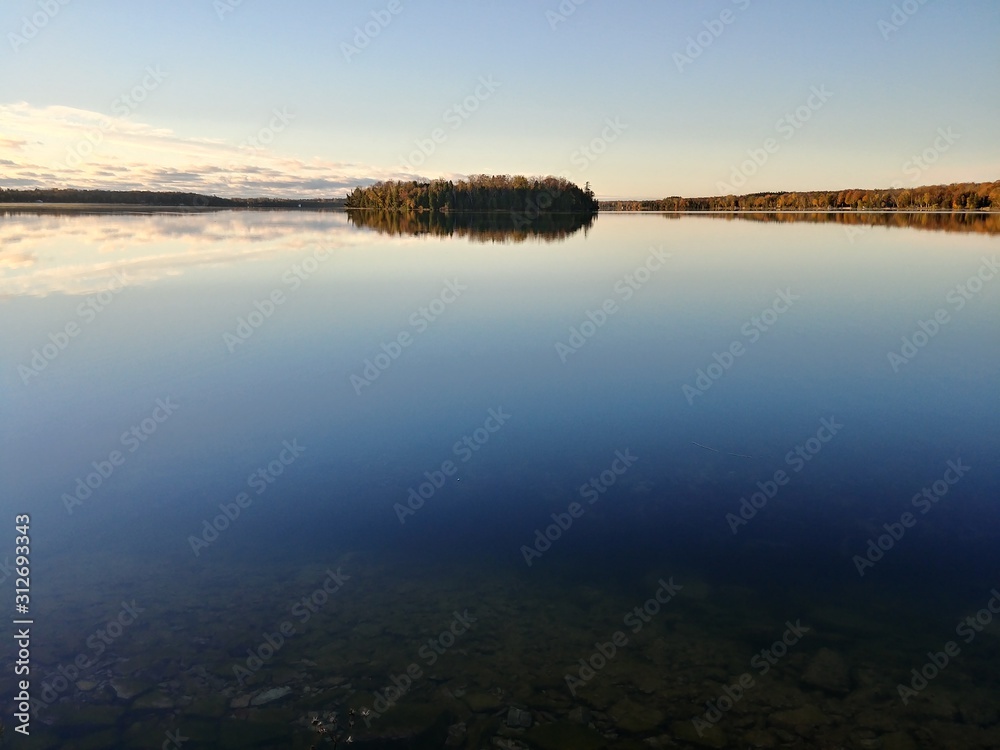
[[213, 78]]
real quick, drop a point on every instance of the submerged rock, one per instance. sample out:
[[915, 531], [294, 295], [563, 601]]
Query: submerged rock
[[406, 725], [517, 718], [978, 710], [711, 736], [456, 735], [156, 701], [933, 703], [480, 702], [270, 695], [240, 701], [898, 741], [563, 735], [800, 720], [634, 717], [663, 741], [98, 740], [209, 706], [506, 743], [828, 671], [760, 738], [69, 716], [127, 689]]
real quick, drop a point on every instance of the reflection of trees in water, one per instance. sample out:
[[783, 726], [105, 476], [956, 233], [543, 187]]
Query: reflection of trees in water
[[988, 223], [479, 227]]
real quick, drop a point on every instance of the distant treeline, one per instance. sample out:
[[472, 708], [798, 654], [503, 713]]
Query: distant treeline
[[959, 196], [156, 198], [481, 193]]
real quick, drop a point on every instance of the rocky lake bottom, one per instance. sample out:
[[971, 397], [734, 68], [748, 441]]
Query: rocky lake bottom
[[475, 657]]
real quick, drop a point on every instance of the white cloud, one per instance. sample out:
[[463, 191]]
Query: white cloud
[[56, 146]]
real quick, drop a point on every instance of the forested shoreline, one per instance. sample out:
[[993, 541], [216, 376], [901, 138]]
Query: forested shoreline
[[157, 198], [537, 195], [960, 196]]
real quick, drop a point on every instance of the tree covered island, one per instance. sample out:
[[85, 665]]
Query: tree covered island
[[479, 193]]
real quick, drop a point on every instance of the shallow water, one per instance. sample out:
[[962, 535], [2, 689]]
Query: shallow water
[[475, 459]]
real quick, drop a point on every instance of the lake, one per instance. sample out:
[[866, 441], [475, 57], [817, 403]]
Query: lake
[[690, 479]]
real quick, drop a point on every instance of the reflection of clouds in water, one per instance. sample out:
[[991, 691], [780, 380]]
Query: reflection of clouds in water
[[42, 228], [78, 254]]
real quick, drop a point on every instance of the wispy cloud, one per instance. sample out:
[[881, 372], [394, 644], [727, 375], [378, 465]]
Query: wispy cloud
[[58, 146]]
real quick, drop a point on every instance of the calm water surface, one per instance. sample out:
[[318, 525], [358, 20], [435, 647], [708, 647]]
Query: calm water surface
[[653, 470]]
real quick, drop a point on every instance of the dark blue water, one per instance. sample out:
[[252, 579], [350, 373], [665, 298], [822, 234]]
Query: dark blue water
[[265, 394]]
